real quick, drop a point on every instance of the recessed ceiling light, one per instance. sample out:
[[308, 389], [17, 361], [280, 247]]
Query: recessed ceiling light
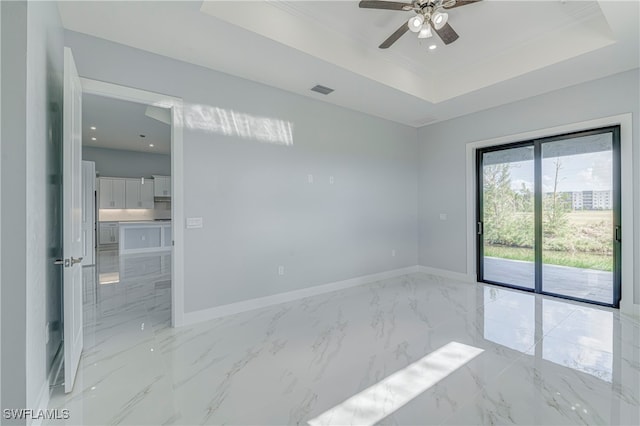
[[93, 127], [151, 145], [93, 139], [432, 47]]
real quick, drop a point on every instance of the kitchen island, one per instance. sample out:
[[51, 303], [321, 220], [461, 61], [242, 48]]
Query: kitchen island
[[145, 236]]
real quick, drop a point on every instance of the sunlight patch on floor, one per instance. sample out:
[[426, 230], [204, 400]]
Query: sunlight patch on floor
[[380, 400]]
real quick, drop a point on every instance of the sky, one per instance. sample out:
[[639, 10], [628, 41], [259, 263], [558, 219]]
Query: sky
[[580, 172], [586, 163]]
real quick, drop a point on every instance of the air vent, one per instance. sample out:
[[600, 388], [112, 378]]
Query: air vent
[[321, 89]]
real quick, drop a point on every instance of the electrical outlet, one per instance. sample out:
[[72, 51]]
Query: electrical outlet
[[443, 216], [331, 180], [393, 253], [310, 178], [280, 270], [194, 222]]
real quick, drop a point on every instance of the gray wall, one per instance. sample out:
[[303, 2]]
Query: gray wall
[[131, 164], [259, 211], [442, 183], [32, 58]]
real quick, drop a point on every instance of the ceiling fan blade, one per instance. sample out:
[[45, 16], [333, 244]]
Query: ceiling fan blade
[[447, 34], [462, 3], [387, 5], [395, 36]]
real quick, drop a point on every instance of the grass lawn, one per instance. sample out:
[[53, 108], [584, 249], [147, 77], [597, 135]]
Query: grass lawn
[[590, 217], [576, 259]]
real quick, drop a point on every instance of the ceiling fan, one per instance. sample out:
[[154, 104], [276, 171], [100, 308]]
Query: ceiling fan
[[428, 14]]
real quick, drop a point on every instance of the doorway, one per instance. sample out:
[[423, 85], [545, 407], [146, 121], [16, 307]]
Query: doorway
[[174, 236], [548, 215]]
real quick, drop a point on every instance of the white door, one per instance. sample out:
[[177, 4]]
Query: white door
[[146, 194], [132, 194], [105, 193], [88, 212], [72, 219]]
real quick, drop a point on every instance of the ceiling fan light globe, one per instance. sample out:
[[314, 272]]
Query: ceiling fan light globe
[[425, 32], [415, 23], [439, 20]]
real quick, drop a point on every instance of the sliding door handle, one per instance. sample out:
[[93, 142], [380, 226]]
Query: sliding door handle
[[480, 230], [618, 234]]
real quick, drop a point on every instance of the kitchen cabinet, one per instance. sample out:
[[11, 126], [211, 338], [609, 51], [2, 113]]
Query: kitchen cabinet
[[108, 233], [162, 186], [111, 193], [139, 193], [143, 237]]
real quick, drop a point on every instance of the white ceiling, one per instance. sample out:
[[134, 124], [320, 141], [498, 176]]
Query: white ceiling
[[508, 50], [119, 125]]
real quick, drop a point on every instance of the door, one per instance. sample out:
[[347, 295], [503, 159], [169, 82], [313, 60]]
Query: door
[[104, 236], [132, 194], [580, 216], [72, 220], [549, 216], [146, 193], [506, 216], [118, 193], [88, 212], [105, 193], [162, 186], [112, 193]]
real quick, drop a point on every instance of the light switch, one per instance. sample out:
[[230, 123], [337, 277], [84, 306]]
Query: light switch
[[310, 178], [331, 180], [194, 222], [443, 216]]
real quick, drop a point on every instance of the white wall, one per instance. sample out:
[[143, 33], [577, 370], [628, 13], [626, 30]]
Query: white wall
[[442, 181], [13, 223], [127, 164], [259, 211], [32, 68]]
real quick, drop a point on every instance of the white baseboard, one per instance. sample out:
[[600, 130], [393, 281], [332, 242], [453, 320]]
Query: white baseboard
[[262, 302], [447, 274], [41, 403]]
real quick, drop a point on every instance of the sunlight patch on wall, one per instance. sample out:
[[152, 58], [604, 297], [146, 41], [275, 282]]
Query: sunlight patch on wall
[[385, 397], [232, 123]]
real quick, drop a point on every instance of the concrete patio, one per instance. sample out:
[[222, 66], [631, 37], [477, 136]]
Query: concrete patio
[[586, 284]]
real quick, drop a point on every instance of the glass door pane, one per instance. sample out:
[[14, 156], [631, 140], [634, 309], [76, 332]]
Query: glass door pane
[[578, 217], [507, 217]]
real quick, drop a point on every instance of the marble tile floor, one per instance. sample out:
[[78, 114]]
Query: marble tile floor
[[412, 350]]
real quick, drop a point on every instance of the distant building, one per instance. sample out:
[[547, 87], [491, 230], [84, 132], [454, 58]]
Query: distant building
[[592, 200]]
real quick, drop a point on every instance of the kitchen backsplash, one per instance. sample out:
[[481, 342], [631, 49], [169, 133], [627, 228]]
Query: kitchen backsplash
[[162, 210]]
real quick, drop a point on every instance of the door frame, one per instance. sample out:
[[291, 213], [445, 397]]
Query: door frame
[[479, 253], [628, 192], [538, 157], [175, 104]]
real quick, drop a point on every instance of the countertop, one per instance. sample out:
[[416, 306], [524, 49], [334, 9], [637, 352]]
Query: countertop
[[145, 222]]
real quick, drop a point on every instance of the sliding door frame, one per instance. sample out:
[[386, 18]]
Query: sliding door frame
[[537, 144], [480, 210]]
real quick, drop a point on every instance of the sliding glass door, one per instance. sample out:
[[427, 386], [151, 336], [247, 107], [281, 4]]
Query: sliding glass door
[[549, 215], [506, 228]]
